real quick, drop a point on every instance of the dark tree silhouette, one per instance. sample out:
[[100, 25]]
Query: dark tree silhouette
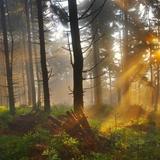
[[78, 57], [7, 59], [45, 77]]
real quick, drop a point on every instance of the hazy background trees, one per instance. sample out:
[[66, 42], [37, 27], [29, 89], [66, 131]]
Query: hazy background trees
[[105, 51]]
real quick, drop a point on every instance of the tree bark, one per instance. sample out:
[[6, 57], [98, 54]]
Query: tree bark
[[45, 77], [30, 58], [157, 89], [7, 59], [26, 72], [78, 57], [36, 57], [126, 85], [96, 71]]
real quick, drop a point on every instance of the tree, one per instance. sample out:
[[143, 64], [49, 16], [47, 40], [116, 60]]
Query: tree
[[31, 82], [102, 33], [8, 59], [96, 60], [45, 77], [125, 64], [78, 57]]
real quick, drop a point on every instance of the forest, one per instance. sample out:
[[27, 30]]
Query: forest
[[79, 79]]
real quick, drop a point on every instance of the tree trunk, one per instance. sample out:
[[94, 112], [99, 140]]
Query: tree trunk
[[36, 57], [3, 89], [110, 86], [29, 58], [96, 71], [38, 76], [26, 72], [7, 60], [125, 90], [45, 77], [78, 57], [157, 89]]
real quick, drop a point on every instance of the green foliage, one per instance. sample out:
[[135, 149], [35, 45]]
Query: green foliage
[[40, 136], [140, 141], [51, 153], [124, 144], [95, 124], [13, 148], [99, 156], [23, 110], [17, 148], [5, 117], [3, 109], [60, 110], [63, 146], [127, 143]]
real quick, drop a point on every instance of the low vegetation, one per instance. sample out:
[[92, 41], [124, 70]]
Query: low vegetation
[[138, 141]]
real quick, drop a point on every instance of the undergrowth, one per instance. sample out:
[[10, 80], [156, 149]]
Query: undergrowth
[[139, 141]]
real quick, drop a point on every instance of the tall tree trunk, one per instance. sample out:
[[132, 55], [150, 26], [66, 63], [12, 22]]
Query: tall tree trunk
[[24, 97], [78, 57], [150, 64], [157, 77], [96, 60], [38, 76], [125, 90], [43, 57], [3, 89], [7, 60], [157, 89], [27, 77], [119, 89], [29, 58], [36, 57], [110, 86]]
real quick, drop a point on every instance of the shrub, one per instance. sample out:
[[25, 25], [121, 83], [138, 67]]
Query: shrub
[[12, 148], [127, 143], [17, 148], [63, 147]]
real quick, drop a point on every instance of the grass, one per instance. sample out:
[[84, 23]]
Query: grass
[[60, 110]]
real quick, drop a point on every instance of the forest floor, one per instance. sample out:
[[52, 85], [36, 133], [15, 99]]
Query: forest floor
[[114, 135]]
